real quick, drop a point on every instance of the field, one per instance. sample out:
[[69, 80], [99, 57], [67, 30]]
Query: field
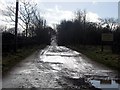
[[9, 60], [106, 57]]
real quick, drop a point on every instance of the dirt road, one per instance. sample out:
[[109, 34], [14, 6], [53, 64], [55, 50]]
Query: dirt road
[[60, 67]]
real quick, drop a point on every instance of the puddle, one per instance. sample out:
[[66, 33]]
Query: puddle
[[55, 67], [105, 84], [77, 71]]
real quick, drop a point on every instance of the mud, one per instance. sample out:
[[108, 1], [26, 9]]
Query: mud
[[60, 67]]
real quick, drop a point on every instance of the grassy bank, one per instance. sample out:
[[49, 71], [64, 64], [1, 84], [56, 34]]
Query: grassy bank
[[106, 57], [11, 59]]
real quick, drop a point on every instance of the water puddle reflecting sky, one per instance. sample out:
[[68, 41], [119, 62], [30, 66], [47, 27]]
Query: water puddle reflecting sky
[[105, 84], [75, 67]]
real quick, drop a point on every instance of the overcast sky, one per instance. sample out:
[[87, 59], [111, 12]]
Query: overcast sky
[[54, 11]]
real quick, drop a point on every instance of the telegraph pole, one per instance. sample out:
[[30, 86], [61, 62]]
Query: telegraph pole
[[16, 25]]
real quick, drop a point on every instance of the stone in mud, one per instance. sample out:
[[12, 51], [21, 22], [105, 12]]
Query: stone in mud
[[76, 81]]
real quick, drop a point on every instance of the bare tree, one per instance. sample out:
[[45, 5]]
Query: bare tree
[[27, 11], [2, 28], [37, 21], [80, 15], [110, 22]]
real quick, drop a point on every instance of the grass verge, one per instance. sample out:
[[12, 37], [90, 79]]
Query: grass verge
[[106, 57], [11, 59]]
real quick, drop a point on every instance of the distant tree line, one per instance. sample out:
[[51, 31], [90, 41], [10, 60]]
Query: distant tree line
[[71, 32], [82, 32], [41, 36]]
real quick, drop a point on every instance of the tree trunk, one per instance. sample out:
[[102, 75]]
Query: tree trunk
[[26, 30]]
